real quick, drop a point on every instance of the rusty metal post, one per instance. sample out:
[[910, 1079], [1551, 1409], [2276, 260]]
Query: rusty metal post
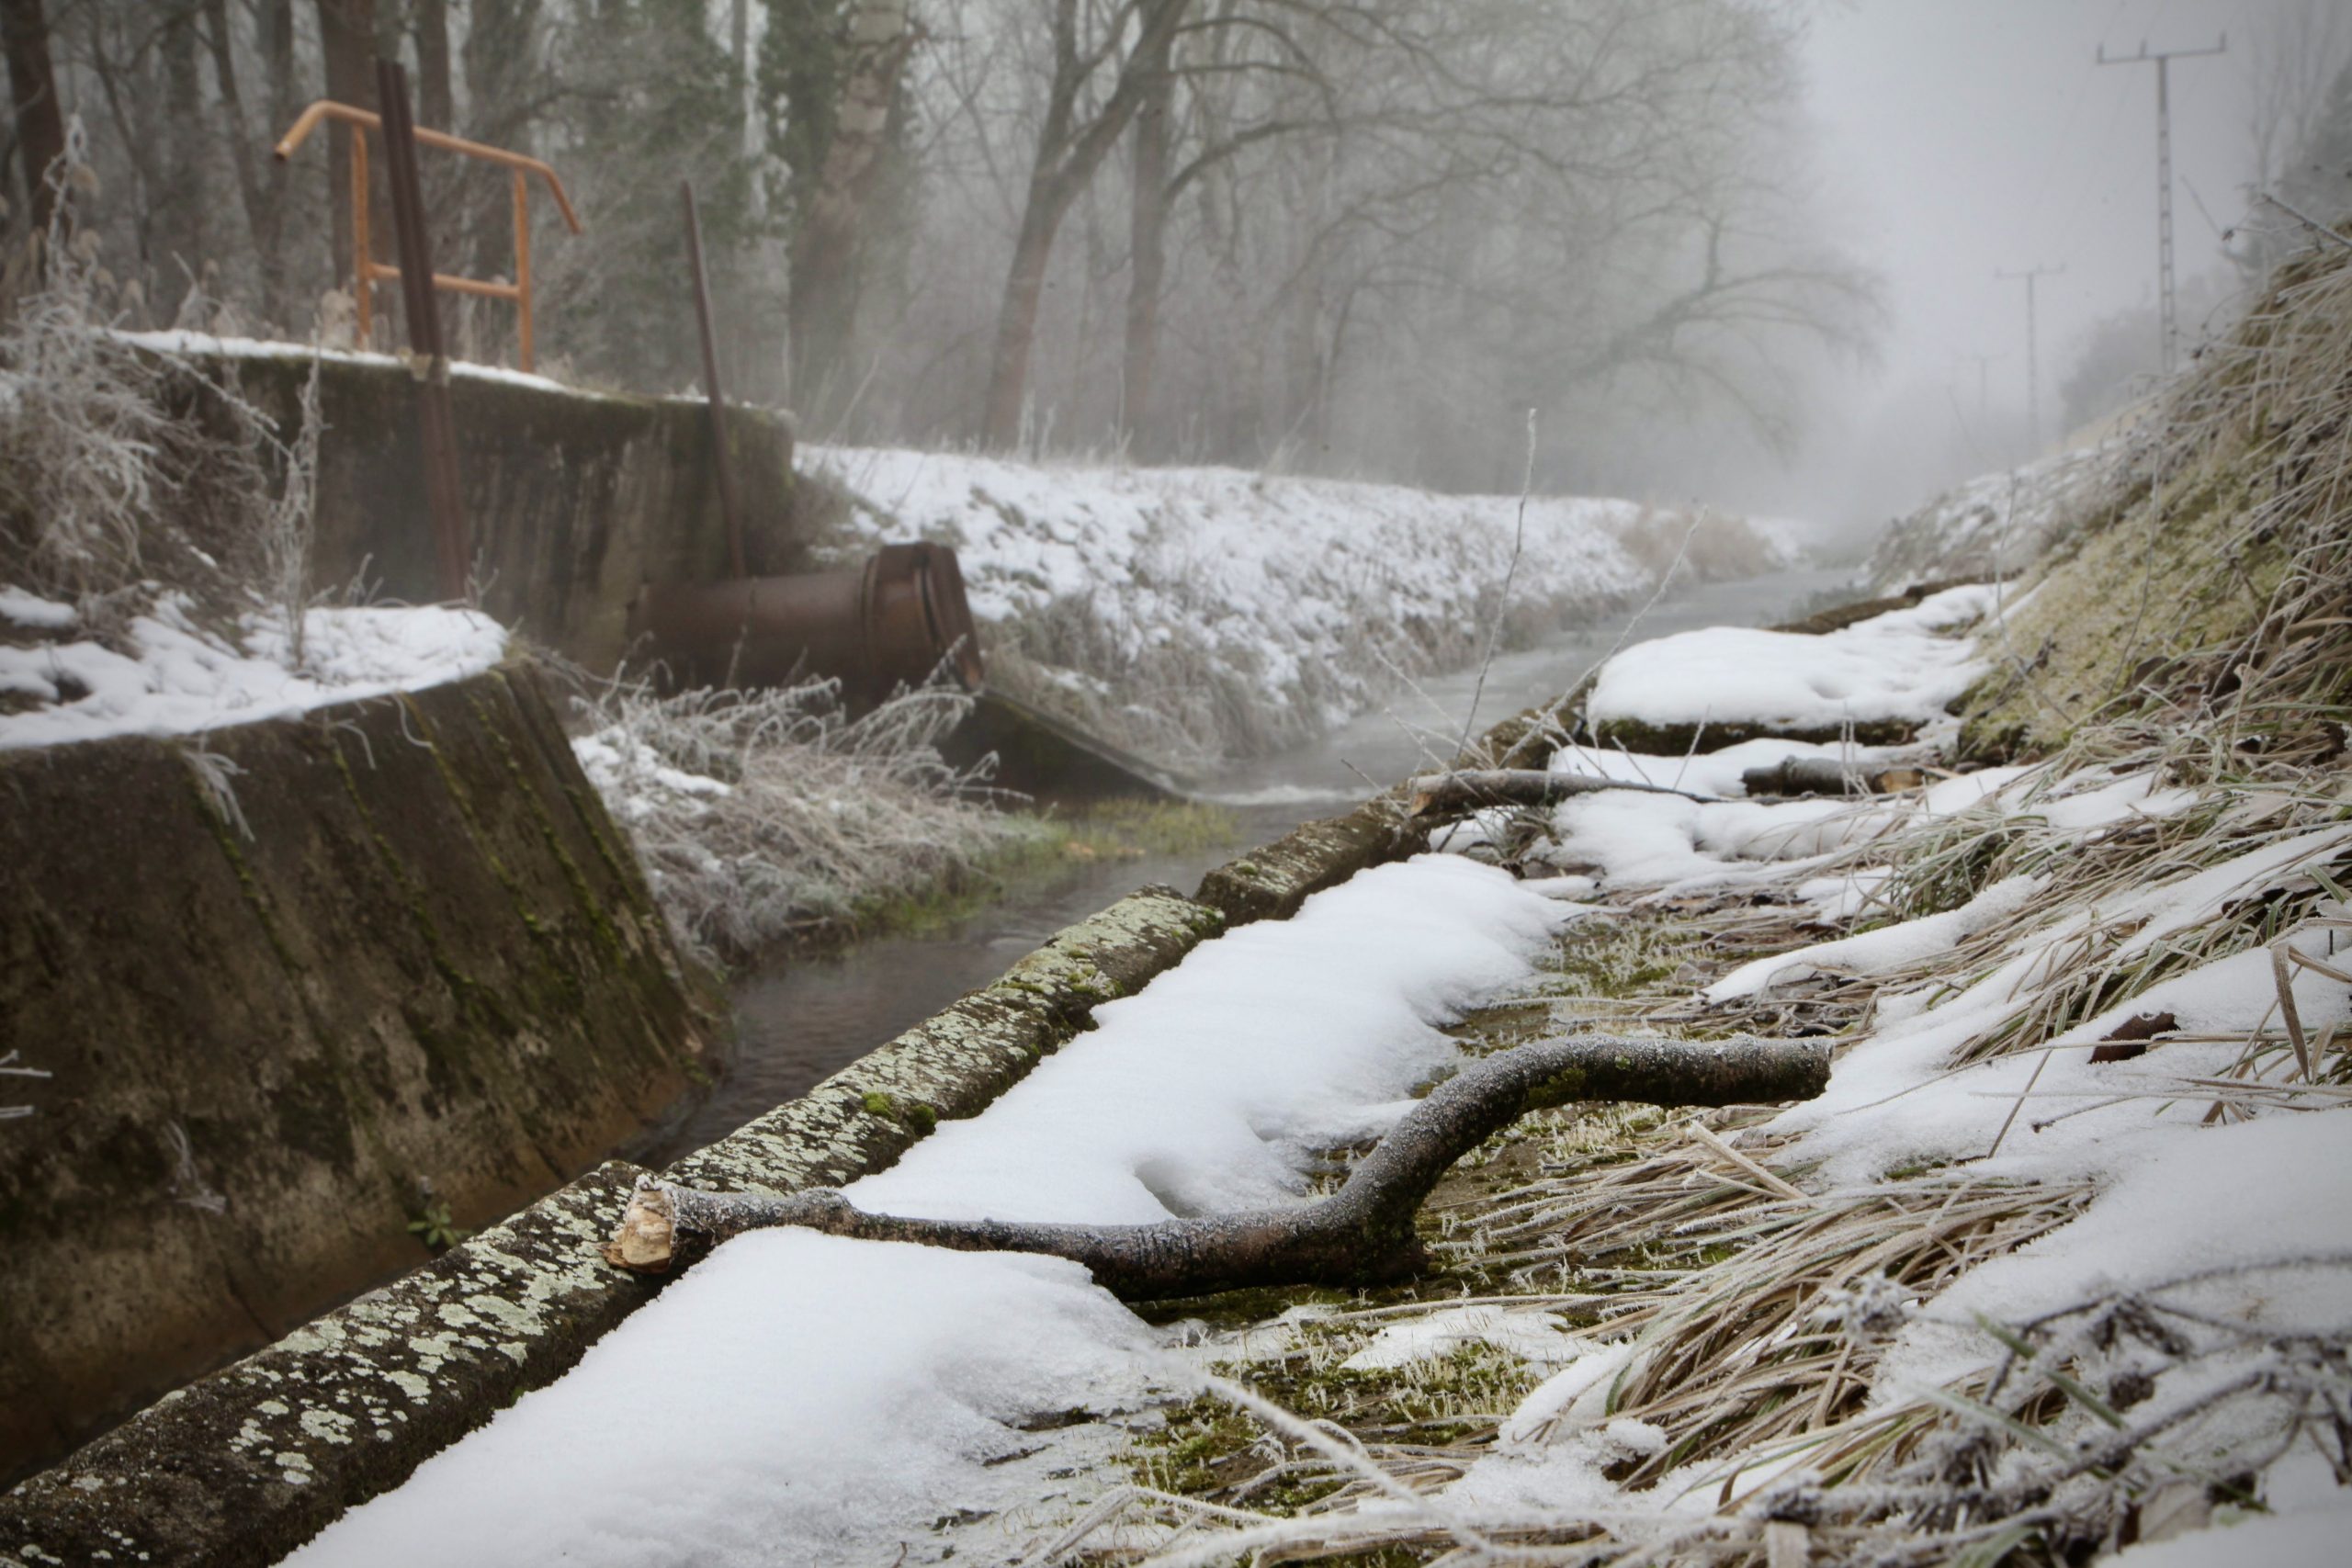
[[522, 266], [710, 384], [435, 421], [362, 279]]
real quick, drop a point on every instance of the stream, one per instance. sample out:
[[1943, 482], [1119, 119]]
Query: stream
[[800, 1020]]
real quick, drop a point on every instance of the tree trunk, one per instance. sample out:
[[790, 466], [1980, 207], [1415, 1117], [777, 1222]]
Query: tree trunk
[[186, 208], [436, 102], [261, 181], [1069, 153], [501, 58], [348, 45], [1475, 789], [1016, 323], [1361, 1234], [1147, 252], [32, 86], [826, 271]]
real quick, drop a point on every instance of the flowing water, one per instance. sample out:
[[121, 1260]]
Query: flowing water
[[800, 1020]]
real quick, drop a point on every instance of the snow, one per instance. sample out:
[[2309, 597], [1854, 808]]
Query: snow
[[794, 1399], [1237, 545], [1897, 946], [1278, 605], [179, 679], [1715, 772], [804, 1399], [636, 783], [2313, 1538], [2240, 1206], [2222, 1220], [34, 613], [1211, 1089], [1903, 665], [1532, 1333], [183, 342]]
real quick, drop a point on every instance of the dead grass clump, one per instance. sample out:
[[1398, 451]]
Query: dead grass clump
[[770, 816], [123, 472]]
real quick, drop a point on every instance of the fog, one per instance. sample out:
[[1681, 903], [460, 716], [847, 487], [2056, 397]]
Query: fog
[[1954, 141], [1737, 251]]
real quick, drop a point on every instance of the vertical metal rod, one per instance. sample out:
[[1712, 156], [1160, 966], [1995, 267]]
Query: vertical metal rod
[[710, 383], [363, 277], [2032, 347], [2168, 321], [522, 264], [435, 421]]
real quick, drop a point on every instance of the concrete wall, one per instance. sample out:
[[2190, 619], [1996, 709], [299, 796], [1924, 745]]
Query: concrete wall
[[416, 950], [574, 498], [240, 1467]]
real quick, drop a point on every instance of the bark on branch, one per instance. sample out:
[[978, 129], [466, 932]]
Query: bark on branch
[[1361, 1234], [1437, 795], [1828, 775]]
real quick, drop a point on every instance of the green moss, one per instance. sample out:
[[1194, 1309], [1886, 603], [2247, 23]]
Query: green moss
[[225, 834], [1682, 740]]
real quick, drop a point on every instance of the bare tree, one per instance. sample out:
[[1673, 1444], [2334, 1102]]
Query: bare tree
[[1090, 41], [828, 230], [32, 84]]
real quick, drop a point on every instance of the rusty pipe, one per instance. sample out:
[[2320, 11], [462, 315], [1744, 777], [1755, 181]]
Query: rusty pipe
[[893, 621]]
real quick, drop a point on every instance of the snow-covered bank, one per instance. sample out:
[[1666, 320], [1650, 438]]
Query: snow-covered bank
[[1200, 612], [799, 1399], [2061, 1257], [1903, 666]]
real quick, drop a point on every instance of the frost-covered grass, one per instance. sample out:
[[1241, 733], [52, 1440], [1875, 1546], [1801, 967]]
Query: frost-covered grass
[[1191, 614], [1995, 527], [154, 542], [2062, 1259], [762, 816]]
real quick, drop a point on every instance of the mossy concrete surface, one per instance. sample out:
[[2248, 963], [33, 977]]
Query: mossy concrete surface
[[956, 1062], [245, 1465], [394, 943], [1272, 881], [574, 498], [240, 1467]]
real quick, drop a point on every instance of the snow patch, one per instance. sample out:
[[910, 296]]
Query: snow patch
[[179, 678]]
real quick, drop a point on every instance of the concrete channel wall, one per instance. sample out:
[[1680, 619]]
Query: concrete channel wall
[[575, 498], [243, 1466], [285, 974]]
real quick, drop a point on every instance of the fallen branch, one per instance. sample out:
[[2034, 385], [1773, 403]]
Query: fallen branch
[[1361, 1234], [1440, 794], [1828, 775]]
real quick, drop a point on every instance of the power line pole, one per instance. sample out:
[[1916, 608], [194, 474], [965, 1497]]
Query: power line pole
[[1983, 363], [2032, 356], [2163, 62]]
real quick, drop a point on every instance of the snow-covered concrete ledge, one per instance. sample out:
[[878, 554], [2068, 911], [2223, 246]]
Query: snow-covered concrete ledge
[[243, 1466]]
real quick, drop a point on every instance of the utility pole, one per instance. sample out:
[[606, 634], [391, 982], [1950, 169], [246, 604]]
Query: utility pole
[[1983, 363], [2163, 62], [2032, 358]]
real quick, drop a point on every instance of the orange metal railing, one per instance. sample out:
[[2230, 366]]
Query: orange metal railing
[[370, 272]]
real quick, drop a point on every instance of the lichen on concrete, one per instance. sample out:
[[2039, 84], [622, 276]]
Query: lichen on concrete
[[1271, 882], [242, 1466]]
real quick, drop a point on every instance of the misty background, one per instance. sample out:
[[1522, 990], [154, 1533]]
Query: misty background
[[1731, 250]]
